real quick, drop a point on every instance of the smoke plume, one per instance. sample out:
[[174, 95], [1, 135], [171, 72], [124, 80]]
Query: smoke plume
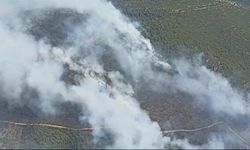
[[98, 59]]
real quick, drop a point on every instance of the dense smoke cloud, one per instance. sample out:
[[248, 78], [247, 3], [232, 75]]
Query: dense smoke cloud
[[37, 65], [107, 58], [210, 88]]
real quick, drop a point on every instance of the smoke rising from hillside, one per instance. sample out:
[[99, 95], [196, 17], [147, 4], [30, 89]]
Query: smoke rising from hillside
[[102, 59]]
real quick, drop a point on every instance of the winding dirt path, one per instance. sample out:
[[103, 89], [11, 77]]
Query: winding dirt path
[[193, 130], [233, 131], [45, 125]]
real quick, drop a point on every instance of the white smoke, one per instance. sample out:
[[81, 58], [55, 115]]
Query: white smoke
[[214, 143], [110, 106], [210, 88], [39, 66]]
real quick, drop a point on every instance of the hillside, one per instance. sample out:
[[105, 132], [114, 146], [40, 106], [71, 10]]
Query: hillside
[[219, 29]]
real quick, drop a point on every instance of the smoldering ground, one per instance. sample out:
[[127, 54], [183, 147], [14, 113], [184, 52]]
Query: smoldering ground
[[57, 52]]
